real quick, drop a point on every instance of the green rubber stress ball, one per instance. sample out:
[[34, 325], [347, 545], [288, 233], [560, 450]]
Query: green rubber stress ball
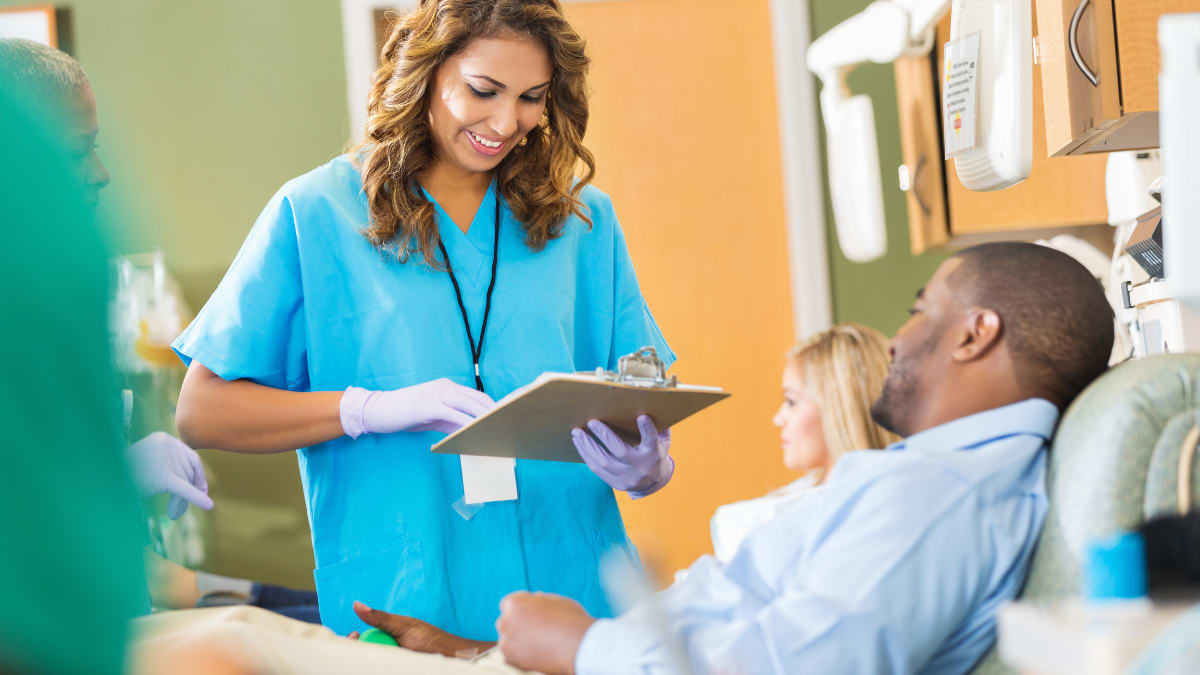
[[378, 637]]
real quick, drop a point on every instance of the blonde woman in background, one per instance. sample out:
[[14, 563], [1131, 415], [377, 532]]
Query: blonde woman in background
[[829, 383]]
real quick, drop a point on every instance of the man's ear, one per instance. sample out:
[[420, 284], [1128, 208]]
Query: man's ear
[[981, 332]]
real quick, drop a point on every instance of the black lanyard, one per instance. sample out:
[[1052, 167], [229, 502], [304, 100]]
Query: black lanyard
[[476, 349]]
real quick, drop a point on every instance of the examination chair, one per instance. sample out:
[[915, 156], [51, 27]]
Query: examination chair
[[1115, 462]]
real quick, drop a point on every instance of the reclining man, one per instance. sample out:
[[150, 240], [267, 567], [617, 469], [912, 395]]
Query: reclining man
[[899, 565]]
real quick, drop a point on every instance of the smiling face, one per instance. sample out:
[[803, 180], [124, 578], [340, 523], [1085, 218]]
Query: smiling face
[[486, 98], [799, 421]]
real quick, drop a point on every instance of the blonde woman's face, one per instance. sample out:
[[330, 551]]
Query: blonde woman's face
[[486, 98], [799, 421]]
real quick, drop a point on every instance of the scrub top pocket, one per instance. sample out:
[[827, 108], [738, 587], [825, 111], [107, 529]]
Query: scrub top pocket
[[405, 592]]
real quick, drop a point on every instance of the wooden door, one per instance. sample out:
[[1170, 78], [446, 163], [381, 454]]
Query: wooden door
[[685, 130], [921, 148]]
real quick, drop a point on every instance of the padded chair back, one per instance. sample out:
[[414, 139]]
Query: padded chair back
[[1121, 454]]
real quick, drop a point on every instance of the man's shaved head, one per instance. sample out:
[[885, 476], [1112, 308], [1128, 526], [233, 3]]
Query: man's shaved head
[[995, 324], [48, 72], [1056, 320], [56, 85]]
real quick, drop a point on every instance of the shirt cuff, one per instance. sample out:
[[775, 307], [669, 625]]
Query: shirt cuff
[[612, 647], [351, 409]]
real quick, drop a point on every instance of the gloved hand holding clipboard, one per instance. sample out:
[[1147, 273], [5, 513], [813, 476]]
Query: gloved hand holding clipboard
[[535, 421]]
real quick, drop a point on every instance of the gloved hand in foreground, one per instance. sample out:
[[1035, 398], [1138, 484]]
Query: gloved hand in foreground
[[162, 463], [436, 405], [640, 470]]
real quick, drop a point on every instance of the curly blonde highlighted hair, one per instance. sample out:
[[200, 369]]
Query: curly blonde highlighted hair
[[537, 179], [843, 369]]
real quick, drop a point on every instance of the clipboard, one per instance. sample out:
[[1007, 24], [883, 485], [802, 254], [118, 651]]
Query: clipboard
[[535, 421]]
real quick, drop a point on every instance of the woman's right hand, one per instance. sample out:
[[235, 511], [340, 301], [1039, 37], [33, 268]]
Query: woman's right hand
[[437, 405]]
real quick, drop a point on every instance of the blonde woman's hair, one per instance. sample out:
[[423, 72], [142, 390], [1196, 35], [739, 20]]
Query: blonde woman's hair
[[537, 178], [843, 369]]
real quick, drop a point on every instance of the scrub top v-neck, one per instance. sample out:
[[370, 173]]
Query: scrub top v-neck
[[310, 305]]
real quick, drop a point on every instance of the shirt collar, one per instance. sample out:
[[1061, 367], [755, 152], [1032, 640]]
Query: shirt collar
[[1034, 416]]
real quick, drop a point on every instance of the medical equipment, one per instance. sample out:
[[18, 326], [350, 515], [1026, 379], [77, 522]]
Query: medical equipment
[[1002, 154], [1167, 305], [1164, 325], [1129, 192], [146, 313], [1145, 244], [998, 109], [1179, 98], [1129, 185]]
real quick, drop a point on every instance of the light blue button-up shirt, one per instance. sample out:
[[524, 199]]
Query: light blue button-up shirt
[[897, 566]]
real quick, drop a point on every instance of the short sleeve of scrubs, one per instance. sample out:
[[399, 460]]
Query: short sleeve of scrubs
[[253, 325]]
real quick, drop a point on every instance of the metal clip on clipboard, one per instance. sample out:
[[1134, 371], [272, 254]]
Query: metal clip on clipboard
[[640, 369], [535, 422]]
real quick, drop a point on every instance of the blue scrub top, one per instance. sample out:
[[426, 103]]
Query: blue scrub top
[[310, 305]]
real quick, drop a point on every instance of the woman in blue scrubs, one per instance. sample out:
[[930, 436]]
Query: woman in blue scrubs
[[385, 298]]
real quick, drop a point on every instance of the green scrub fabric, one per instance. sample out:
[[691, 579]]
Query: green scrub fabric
[[71, 572]]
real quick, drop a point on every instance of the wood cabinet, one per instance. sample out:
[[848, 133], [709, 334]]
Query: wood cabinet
[[1098, 62], [1061, 193]]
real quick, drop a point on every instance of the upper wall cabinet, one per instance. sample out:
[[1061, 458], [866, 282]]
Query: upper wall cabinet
[[1099, 68], [1061, 193]]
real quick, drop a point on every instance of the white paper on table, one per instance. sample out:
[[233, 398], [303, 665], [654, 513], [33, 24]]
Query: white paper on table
[[960, 96], [488, 479]]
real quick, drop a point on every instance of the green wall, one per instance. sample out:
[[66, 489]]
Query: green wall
[[206, 108], [877, 293]]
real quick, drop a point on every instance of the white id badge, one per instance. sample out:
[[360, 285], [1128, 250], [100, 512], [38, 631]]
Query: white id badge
[[488, 479]]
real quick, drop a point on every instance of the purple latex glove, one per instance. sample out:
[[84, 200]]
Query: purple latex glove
[[436, 405], [162, 463], [640, 470]]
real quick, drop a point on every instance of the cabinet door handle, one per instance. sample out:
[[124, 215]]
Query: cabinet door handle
[[1073, 42], [916, 187]]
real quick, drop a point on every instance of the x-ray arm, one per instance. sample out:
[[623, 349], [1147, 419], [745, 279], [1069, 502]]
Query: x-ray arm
[[883, 32]]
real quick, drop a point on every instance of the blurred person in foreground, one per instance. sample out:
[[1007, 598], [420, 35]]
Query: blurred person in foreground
[[160, 462], [71, 574], [70, 567]]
